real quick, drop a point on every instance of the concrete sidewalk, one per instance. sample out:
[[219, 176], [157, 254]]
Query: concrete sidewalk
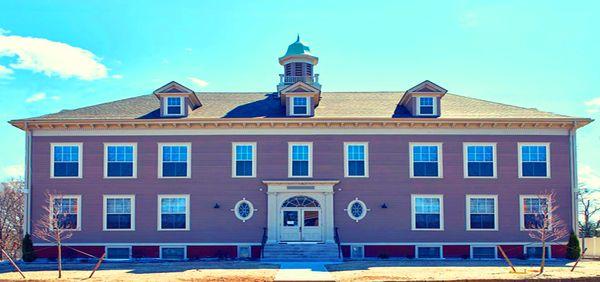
[[303, 271]]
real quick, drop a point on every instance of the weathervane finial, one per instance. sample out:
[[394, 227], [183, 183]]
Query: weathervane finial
[[298, 38]]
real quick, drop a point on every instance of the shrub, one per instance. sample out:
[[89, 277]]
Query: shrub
[[573, 248], [27, 249]]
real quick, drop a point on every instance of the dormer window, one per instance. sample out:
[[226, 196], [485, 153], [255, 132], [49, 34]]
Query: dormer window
[[426, 106], [174, 106], [300, 106]]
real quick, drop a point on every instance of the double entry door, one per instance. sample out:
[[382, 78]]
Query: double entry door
[[302, 224]]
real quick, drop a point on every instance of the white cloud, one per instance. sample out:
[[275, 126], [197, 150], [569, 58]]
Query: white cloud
[[593, 106], [51, 57], [5, 72], [469, 19], [4, 31], [589, 177], [36, 97], [199, 82], [12, 171], [116, 76]]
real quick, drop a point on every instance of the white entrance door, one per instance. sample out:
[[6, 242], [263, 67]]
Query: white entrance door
[[301, 224]]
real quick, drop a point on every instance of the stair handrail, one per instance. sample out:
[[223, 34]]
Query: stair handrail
[[263, 242], [338, 242]]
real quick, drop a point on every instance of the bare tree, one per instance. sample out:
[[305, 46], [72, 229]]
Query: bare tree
[[54, 225], [547, 226], [11, 216], [588, 207]]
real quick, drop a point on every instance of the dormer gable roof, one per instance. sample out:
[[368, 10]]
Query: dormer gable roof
[[425, 87], [174, 88], [301, 88]]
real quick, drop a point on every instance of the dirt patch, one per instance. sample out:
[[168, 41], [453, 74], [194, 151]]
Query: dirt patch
[[413, 270], [148, 271]]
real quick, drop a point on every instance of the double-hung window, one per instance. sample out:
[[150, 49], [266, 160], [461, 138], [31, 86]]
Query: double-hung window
[[426, 160], [426, 106], [300, 106], [120, 160], [300, 160], [173, 212], [534, 160], [480, 160], [482, 212], [174, 160], [534, 210], [66, 160], [66, 210], [244, 160], [119, 212], [356, 159], [174, 106], [427, 212]]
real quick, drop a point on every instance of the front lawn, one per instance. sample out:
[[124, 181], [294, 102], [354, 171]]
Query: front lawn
[[407, 270]]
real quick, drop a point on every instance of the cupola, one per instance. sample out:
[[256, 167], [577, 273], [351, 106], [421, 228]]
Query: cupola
[[299, 87], [176, 100]]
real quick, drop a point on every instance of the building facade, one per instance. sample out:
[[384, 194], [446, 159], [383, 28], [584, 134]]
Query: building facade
[[182, 174]]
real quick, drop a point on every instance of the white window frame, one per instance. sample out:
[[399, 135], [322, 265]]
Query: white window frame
[[106, 145], [118, 247], [468, 210], [483, 246], [189, 159], [520, 163], [466, 145], [419, 105], [522, 211], [362, 253], [105, 213], [187, 211], [78, 197], [308, 106], [310, 159], [538, 245], [349, 209], [240, 247], [237, 214], [234, 159], [160, 250], [166, 106], [429, 246], [440, 161], [79, 162], [346, 160], [413, 211]]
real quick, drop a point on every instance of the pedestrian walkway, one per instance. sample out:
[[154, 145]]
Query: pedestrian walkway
[[303, 271]]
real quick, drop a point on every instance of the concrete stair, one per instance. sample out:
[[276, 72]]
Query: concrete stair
[[301, 252]]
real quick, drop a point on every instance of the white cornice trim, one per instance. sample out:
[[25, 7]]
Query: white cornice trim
[[300, 131]]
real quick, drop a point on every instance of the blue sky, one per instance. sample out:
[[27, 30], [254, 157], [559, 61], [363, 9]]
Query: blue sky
[[63, 54]]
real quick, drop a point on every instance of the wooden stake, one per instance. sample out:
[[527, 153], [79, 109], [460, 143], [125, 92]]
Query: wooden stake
[[13, 263], [578, 259], [97, 265], [506, 258]]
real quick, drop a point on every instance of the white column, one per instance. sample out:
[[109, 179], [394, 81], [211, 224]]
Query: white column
[[329, 226], [272, 213]]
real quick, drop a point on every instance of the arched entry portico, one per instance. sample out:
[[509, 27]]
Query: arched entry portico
[[300, 211]]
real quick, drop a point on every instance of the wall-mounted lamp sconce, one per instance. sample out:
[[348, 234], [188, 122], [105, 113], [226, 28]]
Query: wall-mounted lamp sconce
[[216, 206], [383, 206]]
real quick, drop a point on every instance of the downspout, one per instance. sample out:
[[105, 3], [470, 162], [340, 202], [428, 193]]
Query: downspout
[[574, 182], [27, 207]]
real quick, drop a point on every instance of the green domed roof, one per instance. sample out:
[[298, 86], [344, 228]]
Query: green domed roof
[[297, 48]]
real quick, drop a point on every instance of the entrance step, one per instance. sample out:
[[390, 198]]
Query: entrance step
[[301, 252]]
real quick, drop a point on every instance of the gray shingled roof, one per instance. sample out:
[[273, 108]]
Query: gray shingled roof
[[332, 105]]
